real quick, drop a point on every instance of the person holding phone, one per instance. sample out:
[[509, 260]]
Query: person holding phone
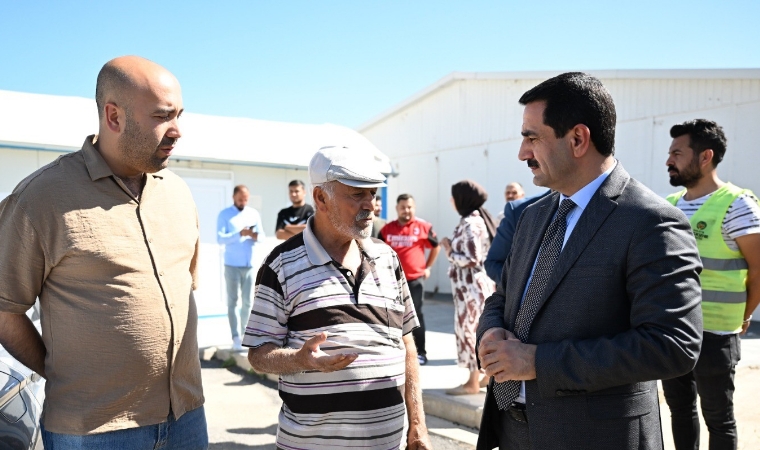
[[239, 229]]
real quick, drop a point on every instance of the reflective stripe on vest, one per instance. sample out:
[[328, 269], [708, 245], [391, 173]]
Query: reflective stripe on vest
[[724, 274]]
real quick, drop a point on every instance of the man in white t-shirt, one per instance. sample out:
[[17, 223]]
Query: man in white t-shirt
[[726, 223]]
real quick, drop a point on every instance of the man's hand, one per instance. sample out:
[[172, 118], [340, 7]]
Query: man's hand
[[493, 335], [505, 358], [427, 273], [315, 359], [418, 438], [247, 232]]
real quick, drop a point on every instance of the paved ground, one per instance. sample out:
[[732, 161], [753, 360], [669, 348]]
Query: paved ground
[[746, 398], [442, 373], [241, 410]]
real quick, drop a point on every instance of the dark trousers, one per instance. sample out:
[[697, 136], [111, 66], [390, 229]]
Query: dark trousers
[[513, 430], [713, 380], [417, 291]]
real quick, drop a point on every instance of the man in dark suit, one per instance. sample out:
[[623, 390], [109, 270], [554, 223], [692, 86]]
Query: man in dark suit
[[502, 242], [599, 297]]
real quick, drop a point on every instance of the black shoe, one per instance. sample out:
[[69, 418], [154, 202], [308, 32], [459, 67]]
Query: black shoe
[[422, 359]]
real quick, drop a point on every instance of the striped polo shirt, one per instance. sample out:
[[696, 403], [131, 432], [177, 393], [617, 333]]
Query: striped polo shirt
[[300, 292]]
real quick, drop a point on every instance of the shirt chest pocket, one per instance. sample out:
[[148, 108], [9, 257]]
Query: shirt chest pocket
[[393, 303], [381, 290]]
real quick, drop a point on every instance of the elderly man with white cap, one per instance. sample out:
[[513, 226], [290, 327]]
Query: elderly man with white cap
[[332, 315]]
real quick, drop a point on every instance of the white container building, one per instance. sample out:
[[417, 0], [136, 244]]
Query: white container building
[[213, 155], [467, 125]]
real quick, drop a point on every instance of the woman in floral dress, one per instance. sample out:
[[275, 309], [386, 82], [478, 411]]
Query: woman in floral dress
[[470, 285]]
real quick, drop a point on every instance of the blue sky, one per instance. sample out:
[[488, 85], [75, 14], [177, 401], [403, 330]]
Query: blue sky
[[344, 62]]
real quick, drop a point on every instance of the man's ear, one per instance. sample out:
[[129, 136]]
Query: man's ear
[[318, 195], [580, 140], [706, 157], [114, 117]]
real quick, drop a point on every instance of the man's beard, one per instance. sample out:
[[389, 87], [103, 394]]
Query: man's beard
[[354, 230], [139, 150], [689, 177]]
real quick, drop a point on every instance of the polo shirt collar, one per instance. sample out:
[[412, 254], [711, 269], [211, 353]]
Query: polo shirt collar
[[317, 254]]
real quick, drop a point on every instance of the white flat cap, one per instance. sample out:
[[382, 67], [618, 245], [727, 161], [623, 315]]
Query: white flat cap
[[352, 167]]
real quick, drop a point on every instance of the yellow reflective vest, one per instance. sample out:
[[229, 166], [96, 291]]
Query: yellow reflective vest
[[724, 274]]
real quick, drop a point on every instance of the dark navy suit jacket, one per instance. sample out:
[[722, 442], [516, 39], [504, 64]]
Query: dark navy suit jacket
[[502, 242], [620, 310]]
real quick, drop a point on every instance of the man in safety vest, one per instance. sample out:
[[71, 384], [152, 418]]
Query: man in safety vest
[[726, 223]]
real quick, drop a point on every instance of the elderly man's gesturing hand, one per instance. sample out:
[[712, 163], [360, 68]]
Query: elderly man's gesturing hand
[[316, 359]]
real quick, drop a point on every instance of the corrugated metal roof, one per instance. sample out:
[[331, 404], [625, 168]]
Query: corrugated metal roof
[[59, 123]]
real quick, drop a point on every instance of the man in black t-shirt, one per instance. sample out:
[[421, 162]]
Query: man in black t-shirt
[[292, 220]]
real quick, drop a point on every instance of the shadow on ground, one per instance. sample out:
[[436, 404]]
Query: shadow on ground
[[440, 312], [753, 332], [246, 378], [272, 429], [237, 446], [442, 362]]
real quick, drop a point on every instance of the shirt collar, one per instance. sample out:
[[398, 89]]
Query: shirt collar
[[583, 197], [317, 254], [96, 165]]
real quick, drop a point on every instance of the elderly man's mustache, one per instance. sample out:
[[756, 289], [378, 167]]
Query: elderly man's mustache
[[364, 215], [532, 163]]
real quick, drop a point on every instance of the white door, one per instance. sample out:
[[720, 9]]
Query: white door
[[211, 195]]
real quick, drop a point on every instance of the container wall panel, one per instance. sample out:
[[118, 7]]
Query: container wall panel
[[633, 148], [661, 141], [17, 164], [269, 190], [743, 153], [421, 181], [473, 122]]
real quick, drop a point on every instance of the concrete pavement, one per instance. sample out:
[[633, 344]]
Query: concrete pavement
[[242, 410], [442, 373], [461, 414]]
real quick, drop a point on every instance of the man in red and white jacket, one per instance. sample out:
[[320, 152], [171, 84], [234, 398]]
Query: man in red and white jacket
[[409, 236]]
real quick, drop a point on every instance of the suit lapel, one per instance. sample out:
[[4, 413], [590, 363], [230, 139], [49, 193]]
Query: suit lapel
[[533, 234], [598, 209]]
